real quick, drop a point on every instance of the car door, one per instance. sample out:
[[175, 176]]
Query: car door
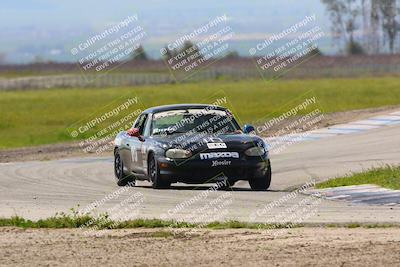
[[135, 145], [146, 144], [125, 151]]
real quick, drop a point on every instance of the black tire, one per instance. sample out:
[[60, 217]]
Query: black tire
[[262, 183], [154, 174], [123, 179]]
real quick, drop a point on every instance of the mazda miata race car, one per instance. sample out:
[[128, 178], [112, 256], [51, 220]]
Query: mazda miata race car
[[190, 143]]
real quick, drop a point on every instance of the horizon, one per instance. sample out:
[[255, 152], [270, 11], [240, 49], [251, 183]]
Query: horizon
[[37, 36]]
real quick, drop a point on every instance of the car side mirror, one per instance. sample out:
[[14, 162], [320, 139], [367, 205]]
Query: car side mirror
[[247, 129]]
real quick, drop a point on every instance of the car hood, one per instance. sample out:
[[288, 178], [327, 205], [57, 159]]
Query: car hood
[[199, 142]]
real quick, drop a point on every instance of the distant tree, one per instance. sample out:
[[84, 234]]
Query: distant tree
[[388, 9], [314, 52], [374, 40], [168, 53], [190, 49], [379, 20], [139, 53], [186, 45], [354, 48], [232, 54], [343, 14], [38, 59], [187, 55]]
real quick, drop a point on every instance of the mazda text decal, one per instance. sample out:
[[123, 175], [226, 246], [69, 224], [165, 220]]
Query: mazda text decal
[[217, 155]]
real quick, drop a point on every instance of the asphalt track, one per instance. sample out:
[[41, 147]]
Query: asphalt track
[[39, 189]]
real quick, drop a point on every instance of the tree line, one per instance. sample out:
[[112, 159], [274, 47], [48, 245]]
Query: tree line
[[188, 45], [365, 26]]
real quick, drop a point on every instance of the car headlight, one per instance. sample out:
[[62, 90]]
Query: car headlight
[[255, 151], [178, 153]]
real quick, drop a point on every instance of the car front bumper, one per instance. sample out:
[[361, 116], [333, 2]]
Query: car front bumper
[[203, 171]]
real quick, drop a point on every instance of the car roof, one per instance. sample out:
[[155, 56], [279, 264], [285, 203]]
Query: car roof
[[180, 106]]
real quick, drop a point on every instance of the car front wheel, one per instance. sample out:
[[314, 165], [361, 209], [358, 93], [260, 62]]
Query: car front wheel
[[262, 183], [154, 174]]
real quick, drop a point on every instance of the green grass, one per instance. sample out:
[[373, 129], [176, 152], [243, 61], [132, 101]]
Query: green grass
[[63, 220], [388, 176], [30, 118], [86, 222]]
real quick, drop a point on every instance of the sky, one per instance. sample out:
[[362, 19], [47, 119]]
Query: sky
[[48, 29]]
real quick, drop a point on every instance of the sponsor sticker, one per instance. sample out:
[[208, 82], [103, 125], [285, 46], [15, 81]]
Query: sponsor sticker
[[216, 145], [216, 163]]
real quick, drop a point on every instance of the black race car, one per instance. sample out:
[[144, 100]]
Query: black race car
[[190, 143]]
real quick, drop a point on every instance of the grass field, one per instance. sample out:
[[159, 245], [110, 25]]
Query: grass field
[[86, 222], [45, 116], [388, 176]]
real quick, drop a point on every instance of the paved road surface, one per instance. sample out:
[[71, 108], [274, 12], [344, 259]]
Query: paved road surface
[[39, 189]]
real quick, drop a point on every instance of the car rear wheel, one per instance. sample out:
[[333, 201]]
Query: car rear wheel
[[122, 178], [262, 183], [154, 174]]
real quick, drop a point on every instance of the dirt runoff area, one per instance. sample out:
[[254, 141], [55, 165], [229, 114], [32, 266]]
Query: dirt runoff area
[[239, 247]]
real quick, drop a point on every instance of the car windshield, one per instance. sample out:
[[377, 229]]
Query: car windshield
[[194, 120]]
